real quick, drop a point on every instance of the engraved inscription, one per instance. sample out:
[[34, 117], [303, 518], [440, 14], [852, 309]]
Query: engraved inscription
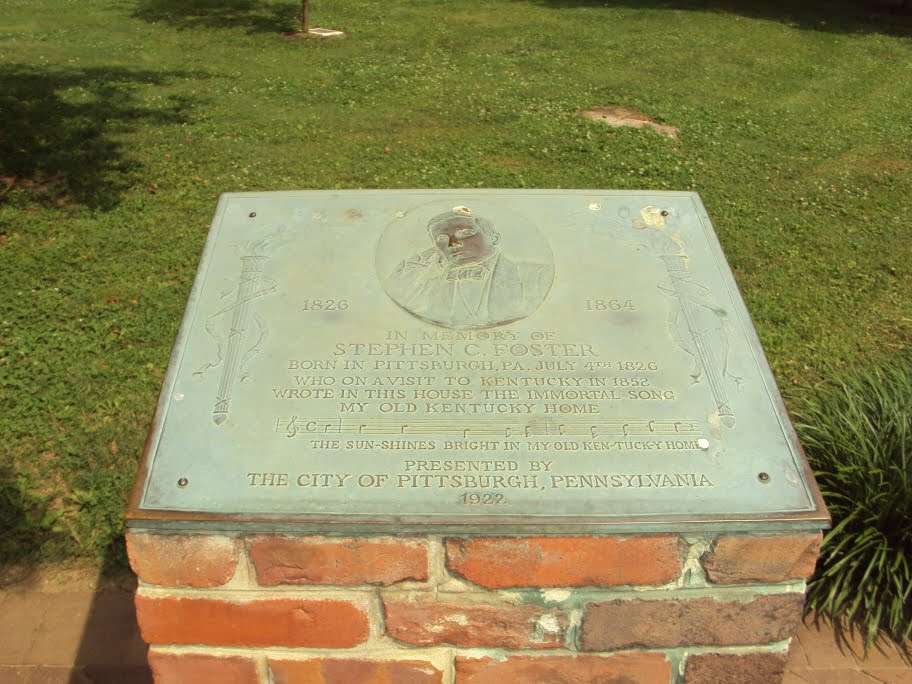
[[324, 305], [486, 482], [479, 392], [610, 305]]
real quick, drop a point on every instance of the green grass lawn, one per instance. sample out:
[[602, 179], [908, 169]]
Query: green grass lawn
[[122, 120]]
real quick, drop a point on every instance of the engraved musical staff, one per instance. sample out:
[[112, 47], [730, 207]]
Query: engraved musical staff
[[295, 426]]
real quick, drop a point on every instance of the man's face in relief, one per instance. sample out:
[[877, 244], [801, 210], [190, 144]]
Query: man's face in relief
[[461, 241]]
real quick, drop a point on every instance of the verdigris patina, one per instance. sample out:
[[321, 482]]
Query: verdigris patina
[[490, 360]]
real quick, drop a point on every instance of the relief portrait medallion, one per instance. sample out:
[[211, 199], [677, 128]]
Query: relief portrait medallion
[[459, 269]]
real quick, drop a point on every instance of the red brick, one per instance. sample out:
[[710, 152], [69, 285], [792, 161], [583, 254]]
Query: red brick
[[627, 668], [270, 622], [750, 668], [426, 622], [742, 559], [343, 561], [501, 562], [343, 671], [170, 668], [178, 560], [637, 623]]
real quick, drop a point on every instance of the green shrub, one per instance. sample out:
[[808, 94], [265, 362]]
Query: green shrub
[[857, 432]]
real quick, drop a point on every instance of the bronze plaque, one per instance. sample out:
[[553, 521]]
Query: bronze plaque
[[469, 360]]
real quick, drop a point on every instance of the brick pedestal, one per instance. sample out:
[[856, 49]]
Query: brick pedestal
[[659, 608]]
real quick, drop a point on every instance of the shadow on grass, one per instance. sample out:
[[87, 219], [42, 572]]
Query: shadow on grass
[[888, 17], [59, 128], [256, 16], [26, 523]]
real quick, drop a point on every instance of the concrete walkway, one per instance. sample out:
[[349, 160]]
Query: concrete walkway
[[821, 655], [71, 629]]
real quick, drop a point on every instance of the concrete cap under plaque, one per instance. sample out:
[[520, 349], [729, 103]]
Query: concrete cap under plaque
[[469, 361]]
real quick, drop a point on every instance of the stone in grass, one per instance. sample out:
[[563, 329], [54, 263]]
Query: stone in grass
[[622, 116], [318, 33]]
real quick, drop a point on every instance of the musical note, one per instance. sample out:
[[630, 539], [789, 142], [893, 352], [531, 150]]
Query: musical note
[[626, 429], [404, 428], [528, 430], [508, 432], [560, 430], [594, 430], [677, 426], [361, 428], [292, 429], [651, 426]]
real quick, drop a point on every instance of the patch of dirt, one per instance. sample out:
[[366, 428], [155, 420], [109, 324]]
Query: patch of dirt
[[629, 118], [46, 186], [39, 185]]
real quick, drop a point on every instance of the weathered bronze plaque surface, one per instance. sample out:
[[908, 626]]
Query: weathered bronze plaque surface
[[461, 360]]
